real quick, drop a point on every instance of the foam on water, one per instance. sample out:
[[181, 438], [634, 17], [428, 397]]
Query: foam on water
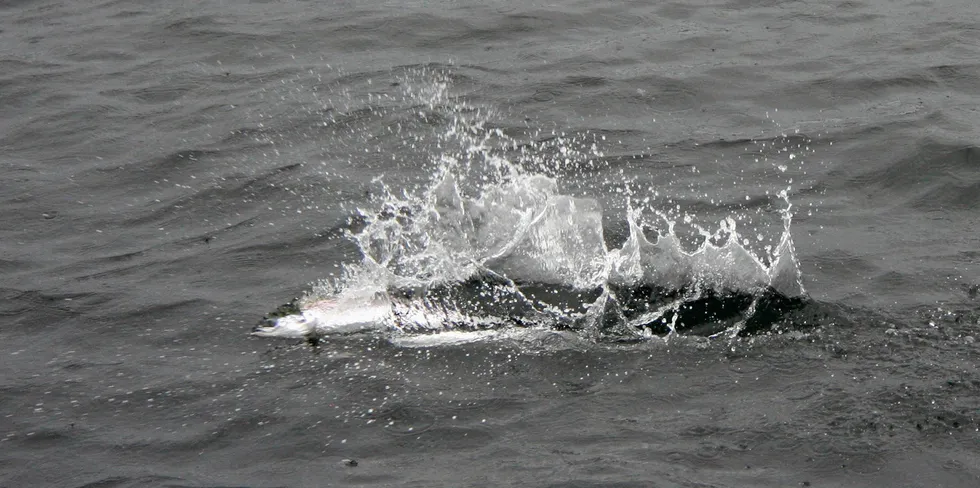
[[491, 242]]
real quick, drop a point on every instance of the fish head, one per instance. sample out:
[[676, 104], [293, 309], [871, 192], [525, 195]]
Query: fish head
[[296, 326]]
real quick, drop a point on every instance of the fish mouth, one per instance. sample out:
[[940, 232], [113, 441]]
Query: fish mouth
[[265, 328]]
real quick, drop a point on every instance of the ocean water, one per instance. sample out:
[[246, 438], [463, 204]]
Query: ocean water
[[541, 244]]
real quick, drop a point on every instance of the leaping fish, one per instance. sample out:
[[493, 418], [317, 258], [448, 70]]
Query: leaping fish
[[480, 304]]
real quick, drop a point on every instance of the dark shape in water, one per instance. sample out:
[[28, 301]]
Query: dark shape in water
[[704, 312]]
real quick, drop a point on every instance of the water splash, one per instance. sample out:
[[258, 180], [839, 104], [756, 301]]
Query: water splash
[[490, 241]]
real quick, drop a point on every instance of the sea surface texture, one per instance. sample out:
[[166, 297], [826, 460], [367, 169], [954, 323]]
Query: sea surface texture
[[569, 243]]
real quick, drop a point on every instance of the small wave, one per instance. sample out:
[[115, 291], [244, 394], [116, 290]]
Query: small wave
[[935, 176]]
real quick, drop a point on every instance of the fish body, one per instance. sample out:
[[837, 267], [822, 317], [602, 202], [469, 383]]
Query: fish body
[[482, 304]]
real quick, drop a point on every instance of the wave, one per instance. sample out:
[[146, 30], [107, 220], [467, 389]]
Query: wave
[[933, 176]]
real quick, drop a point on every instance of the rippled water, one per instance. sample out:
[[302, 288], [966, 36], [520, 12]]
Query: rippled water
[[170, 173]]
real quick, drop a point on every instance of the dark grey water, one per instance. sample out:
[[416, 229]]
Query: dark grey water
[[171, 171]]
